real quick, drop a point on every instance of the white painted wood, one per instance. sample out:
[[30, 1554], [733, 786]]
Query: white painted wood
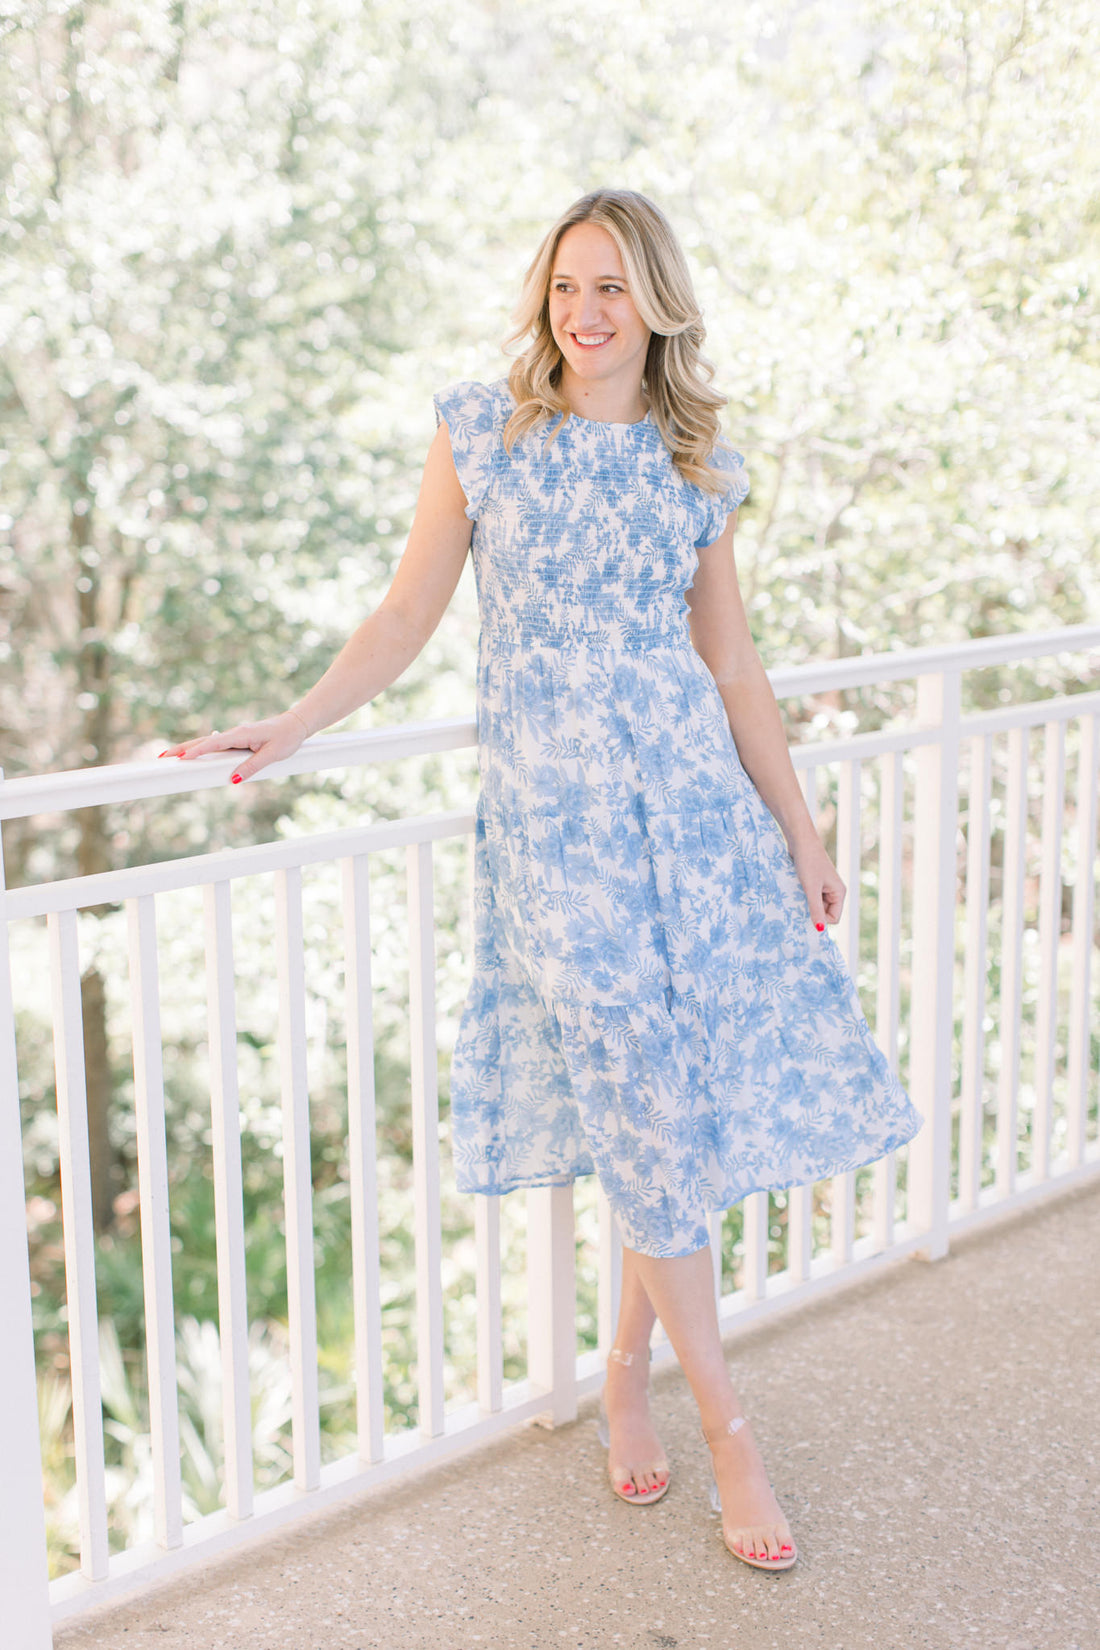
[[842, 1217], [552, 1301], [800, 1231], [1012, 960], [344, 1480], [490, 1328], [972, 1096], [297, 1179], [924, 742], [128, 781], [849, 813], [1084, 908], [755, 1282], [24, 1579], [846, 935], [156, 1236], [1050, 934], [934, 893], [800, 1236], [366, 1264], [717, 1223], [610, 1282], [425, 1128], [112, 887], [79, 1238], [225, 1132], [888, 937], [888, 986]]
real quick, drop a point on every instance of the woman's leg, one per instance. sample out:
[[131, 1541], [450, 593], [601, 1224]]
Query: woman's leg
[[635, 1456], [681, 1292]]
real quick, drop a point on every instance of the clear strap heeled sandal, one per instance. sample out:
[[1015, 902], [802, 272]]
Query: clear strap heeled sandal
[[784, 1560], [632, 1496]]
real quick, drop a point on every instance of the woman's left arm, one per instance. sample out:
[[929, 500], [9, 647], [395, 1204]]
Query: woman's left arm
[[720, 632]]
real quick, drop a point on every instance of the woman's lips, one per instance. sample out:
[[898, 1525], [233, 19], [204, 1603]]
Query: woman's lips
[[591, 340]]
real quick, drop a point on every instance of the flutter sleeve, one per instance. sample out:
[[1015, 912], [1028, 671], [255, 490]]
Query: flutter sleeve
[[717, 506], [472, 413]]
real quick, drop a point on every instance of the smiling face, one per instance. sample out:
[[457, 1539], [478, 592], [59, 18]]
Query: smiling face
[[602, 338]]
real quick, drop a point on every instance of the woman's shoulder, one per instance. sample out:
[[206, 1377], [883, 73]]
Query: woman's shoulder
[[475, 407], [730, 463], [724, 456]]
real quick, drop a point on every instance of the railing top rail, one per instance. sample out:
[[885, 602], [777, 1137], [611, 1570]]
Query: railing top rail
[[132, 781]]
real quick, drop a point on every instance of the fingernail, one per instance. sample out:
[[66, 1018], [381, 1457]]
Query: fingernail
[[236, 779], [160, 754], [820, 926]]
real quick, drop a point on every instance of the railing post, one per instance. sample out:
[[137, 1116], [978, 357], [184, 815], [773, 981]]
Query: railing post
[[611, 1273], [24, 1578], [932, 1006], [552, 1301]]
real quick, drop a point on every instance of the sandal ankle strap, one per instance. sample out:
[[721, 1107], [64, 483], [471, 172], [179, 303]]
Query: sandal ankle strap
[[728, 1430], [616, 1356]]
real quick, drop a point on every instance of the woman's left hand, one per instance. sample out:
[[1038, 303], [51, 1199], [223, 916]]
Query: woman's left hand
[[820, 880]]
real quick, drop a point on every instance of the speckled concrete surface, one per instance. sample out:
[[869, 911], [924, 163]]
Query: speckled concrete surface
[[933, 1437]]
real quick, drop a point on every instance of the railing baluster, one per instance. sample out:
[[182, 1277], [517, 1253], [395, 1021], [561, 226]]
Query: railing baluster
[[1012, 960], [225, 1125], [609, 1286], [843, 1189], [755, 1233], [156, 1235], [79, 1235], [297, 1179], [934, 883], [552, 1300], [366, 1266], [425, 1122], [1050, 934], [972, 1094], [1084, 905], [888, 989], [24, 1576], [800, 1199], [716, 1221], [490, 1335]]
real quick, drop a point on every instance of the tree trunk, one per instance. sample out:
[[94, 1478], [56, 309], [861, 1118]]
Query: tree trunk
[[97, 1073]]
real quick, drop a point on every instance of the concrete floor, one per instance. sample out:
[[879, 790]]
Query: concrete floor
[[933, 1436]]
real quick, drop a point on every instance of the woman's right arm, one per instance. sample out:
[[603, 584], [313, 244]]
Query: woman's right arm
[[387, 642]]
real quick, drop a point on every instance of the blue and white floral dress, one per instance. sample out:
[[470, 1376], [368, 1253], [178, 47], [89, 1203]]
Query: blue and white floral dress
[[650, 999]]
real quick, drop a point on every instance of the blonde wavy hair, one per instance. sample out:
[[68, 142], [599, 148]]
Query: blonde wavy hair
[[676, 378]]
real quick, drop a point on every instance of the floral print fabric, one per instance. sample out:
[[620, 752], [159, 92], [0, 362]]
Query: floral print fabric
[[650, 1000]]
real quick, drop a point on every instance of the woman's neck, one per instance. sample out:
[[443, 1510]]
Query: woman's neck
[[605, 401]]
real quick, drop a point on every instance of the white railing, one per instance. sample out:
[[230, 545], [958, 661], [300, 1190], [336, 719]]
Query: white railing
[[910, 960]]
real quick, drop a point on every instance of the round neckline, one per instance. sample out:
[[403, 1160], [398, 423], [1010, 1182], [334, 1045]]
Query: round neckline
[[614, 423]]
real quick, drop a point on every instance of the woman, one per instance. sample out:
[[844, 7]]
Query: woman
[[654, 995]]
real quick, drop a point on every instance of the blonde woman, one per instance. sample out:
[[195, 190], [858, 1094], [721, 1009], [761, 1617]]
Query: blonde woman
[[655, 996]]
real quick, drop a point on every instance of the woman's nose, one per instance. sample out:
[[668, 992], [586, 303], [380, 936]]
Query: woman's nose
[[587, 312]]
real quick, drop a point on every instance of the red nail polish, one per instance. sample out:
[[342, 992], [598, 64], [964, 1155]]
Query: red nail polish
[[820, 926], [236, 779]]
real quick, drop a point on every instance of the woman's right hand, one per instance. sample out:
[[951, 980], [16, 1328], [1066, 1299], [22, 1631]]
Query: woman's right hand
[[271, 740]]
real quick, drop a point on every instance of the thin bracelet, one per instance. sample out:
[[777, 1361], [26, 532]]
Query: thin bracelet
[[292, 712]]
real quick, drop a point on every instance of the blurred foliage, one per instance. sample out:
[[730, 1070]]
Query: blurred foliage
[[241, 241]]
